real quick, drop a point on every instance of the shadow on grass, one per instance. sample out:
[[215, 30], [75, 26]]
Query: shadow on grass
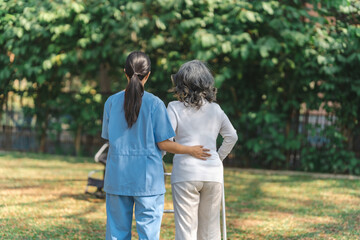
[[79, 196], [293, 179], [82, 229], [346, 226], [251, 201], [64, 225], [44, 156], [25, 182], [73, 226]]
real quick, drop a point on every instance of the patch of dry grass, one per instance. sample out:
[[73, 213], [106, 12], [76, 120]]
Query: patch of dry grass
[[42, 197]]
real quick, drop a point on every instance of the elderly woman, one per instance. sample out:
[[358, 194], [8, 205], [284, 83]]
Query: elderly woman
[[197, 184]]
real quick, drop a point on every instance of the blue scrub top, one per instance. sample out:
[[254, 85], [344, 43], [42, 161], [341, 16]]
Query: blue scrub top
[[134, 163]]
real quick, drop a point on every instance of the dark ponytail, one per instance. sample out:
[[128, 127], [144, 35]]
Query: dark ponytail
[[137, 66]]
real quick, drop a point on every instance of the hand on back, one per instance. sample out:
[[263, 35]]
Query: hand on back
[[200, 152]]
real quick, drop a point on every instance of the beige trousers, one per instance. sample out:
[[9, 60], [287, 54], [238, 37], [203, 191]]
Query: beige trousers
[[197, 210]]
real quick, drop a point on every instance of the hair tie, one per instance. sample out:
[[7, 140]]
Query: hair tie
[[138, 75]]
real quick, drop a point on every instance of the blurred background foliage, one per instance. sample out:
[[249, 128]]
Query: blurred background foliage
[[273, 61]]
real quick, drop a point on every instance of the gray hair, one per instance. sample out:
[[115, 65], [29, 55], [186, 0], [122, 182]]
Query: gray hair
[[193, 83]]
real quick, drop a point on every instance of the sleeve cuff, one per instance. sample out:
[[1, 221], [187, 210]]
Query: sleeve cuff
[[165, 137]]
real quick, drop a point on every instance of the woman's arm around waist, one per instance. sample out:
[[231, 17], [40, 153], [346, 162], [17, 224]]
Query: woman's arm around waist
[[176, 148]]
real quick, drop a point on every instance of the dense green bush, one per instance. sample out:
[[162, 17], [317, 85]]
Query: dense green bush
[[268, 58]]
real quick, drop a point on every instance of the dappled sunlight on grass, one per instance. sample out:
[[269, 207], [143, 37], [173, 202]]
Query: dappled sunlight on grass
[[265, 206], [43, 198]]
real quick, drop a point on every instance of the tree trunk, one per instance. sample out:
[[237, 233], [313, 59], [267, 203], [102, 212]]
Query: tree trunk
[[105, 81], [7, 128], [89, 144], [43, 134], [305, 132], [78, 140], [291, 115], [42, 114], [287, 152], [296, 152], [348, 133]]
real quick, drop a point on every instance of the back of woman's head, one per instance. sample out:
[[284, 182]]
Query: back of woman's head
[[137, 67], [194, 84]]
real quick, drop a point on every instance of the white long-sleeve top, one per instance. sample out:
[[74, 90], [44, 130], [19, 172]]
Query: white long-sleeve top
[[200, 127]]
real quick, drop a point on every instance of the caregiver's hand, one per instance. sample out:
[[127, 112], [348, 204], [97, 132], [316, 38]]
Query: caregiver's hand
[[195, 151], [199, 152]]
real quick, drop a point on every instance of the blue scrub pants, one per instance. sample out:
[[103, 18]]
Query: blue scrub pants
[[148, 215]]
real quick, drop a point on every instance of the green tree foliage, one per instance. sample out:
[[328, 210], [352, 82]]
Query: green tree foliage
[[338, 61], [268, 58]]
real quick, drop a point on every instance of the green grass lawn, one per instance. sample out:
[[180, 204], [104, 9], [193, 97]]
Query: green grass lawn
[[42, 197]]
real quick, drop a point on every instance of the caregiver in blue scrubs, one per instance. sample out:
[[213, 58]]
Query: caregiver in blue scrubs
[[137, 126]]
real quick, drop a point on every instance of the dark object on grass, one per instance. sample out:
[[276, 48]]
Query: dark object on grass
[[100, 157]]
